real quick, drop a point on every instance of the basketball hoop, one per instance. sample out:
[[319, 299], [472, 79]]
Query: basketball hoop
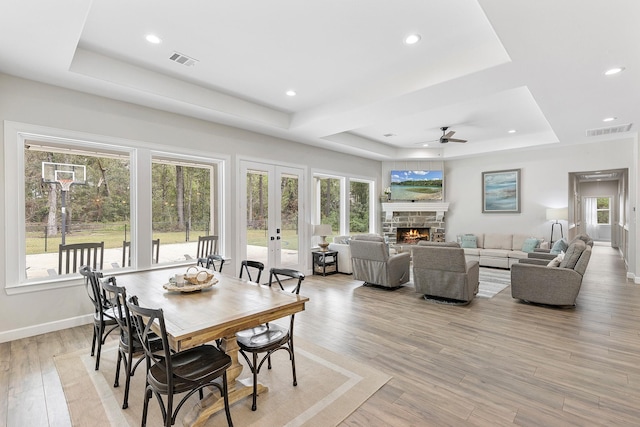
[[65, 184]]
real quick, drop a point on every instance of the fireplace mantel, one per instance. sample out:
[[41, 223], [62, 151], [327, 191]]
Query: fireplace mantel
[[438, 207]]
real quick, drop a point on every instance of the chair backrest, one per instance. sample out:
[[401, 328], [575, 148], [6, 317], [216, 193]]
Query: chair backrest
[[73, 256], [207, 245], [126, 252], [142, 320], [439, 257], [438, 244], [246, 265], [116, 296], [92, 283], [372, 250], [279, 273], [211, 262]]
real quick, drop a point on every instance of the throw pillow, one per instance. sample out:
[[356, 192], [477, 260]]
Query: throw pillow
[[469, 241], [530, 244], [554, 262], [571, 257], [559, 246]]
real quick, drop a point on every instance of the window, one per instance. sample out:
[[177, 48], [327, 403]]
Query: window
[[93, 208], [345, 204], [359, 207], [181, 206], [603, 210], [113, 202]]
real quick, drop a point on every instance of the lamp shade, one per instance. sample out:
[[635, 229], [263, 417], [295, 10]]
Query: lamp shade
[[322, 230], [557, 214]]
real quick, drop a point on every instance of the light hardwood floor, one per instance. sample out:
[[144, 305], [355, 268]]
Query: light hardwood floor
[[496, 362]]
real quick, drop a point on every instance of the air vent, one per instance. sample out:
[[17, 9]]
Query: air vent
[[183, 59], [609, 130]]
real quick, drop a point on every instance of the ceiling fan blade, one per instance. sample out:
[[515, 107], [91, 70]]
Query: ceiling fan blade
[[449, 134], [457, 140]]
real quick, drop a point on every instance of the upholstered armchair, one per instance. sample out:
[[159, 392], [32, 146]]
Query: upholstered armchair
[[372, 263], [560, 245], [534, 281], [440, 271]]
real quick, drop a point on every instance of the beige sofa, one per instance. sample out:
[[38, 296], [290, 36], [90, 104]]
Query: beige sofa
[[340, 244], [497, 249]]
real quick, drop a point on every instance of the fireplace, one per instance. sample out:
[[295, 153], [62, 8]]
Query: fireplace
[[411, 235]]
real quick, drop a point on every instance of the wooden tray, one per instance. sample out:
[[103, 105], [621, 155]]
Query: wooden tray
[[188, 287]]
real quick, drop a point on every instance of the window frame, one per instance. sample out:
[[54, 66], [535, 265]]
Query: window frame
[[140, 153], [345, 206]]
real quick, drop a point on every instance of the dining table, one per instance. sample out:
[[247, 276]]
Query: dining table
[[216, 312]]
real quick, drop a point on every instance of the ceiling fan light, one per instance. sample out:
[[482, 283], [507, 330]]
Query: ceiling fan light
[[291, 93], [609, 119]]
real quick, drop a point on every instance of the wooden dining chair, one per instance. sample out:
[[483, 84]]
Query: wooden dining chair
[[246, 266], [75, 255], [269, 337], [188, 371], [104, 317], [126, 252]]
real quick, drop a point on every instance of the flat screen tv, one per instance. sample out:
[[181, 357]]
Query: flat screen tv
[[420, 185]]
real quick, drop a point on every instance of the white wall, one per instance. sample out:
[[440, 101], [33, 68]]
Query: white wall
[[544, 183], [38, 104]]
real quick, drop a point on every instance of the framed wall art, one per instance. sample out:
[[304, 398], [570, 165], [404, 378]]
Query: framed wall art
[[501, 191]]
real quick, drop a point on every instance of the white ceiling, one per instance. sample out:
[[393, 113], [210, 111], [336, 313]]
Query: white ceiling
[[482, 67]]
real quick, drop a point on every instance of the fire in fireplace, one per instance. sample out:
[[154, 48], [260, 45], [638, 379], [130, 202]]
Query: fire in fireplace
[[411, 236]]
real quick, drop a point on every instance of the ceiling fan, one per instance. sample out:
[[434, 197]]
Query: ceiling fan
[[446, 136]]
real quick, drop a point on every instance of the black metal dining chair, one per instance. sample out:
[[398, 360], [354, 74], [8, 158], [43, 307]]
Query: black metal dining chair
[[129, 345], [248, 265], [210, 262], [270, 337], [104, 317], [188, 371]]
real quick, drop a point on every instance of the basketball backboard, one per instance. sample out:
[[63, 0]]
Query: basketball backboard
[[64, 174]]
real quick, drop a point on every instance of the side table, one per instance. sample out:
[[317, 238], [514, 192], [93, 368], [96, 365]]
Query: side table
[[324, 262]]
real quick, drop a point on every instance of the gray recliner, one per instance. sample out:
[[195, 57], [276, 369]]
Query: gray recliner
[[372, 263], [547, 285], [441, 273]]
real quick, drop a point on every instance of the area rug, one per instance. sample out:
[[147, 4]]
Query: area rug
[[493, 281], [330, 387]]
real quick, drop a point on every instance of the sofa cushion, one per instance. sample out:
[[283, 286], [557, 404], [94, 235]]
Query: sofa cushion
[[468, 241], [472, 251], [495, 253], [530, 244], [518, 255], [559, 246], [498, 241], [554, 262], [574, 251]]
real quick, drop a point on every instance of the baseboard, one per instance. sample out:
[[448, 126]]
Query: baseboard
[[43, 328]]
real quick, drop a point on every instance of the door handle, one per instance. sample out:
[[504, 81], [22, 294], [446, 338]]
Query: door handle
[[273, 238], [278, 238]]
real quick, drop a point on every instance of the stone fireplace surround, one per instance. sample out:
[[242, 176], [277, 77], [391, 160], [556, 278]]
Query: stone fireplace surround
[[414, 215]]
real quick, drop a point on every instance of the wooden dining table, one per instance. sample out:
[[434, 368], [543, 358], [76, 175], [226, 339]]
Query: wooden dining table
[[217, 312]]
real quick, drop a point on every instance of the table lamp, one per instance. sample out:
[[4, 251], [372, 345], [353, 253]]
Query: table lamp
[[322, 230], [557, 214]]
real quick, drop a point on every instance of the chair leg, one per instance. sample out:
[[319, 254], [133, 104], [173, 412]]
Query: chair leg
[[293, 362], [93, 340], [127, 384], [116, 382], [170, 415], [145, 408], [225, 394], [99, 338], [254, 369]]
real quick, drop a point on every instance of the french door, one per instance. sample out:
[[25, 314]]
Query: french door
[[271, 224]]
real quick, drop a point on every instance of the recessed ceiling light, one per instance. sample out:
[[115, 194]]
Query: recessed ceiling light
[[425, 145], [412, 39], [291, 93], [609, 119], [511, 131], [613, 71], [151, 38]]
